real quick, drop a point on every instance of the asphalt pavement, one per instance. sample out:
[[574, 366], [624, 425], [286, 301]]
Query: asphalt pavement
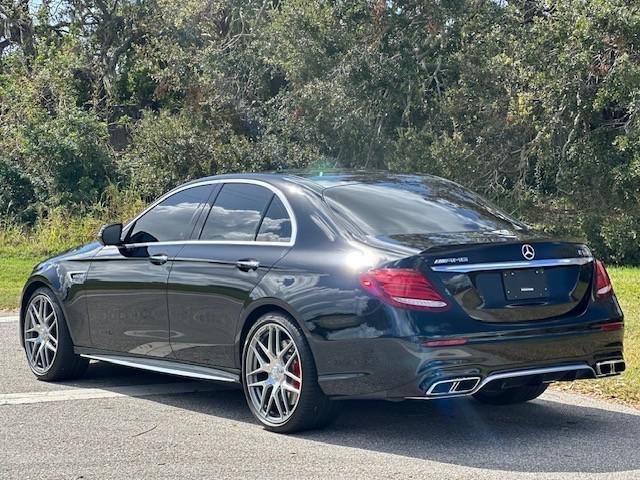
[[126, 424]]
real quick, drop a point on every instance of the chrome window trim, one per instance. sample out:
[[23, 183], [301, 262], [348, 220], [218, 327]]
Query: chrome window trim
[[512, 265], [276, 191], [206, 242]]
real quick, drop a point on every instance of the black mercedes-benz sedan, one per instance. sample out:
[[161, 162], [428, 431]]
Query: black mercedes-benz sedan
[[306, 289]]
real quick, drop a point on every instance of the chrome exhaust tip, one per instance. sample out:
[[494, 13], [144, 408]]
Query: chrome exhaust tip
[[610, 367], [456, 387], [453, 386]]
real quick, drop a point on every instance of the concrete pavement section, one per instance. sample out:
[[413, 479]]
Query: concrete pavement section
[[119, 423]]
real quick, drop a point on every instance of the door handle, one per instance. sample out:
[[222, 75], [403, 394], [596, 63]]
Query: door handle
[[159, 259], [247, 264]]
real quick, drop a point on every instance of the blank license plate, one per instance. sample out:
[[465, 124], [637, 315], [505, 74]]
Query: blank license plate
[[525, 284]]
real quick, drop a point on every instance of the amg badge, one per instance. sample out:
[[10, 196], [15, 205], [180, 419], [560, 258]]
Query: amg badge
[[440, 261]]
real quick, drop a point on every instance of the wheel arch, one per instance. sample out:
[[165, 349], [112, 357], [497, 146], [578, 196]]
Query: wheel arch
[[34, 283], [256, 310]]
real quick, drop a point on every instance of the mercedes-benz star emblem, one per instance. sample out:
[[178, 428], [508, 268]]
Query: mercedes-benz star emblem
[[528, 252]]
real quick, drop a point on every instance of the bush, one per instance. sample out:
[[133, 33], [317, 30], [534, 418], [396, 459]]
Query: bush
[[68, 158], [616, 238], [17, 197], [167, 150]]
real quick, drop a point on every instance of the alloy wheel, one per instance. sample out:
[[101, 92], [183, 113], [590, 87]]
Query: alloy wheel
[[273, 374], [41, 334]]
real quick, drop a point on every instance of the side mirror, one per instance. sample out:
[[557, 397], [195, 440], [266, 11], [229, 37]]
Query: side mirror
[[110, 234]]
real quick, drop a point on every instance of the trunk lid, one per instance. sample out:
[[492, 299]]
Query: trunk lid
[[506, 277]]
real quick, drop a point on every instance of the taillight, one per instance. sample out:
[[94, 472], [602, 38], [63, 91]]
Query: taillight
[[603, 282], [404, 288]]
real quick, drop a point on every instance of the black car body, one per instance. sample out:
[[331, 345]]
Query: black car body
[[402, 286]]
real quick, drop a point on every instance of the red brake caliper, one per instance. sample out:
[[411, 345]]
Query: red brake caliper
[[295, 369]]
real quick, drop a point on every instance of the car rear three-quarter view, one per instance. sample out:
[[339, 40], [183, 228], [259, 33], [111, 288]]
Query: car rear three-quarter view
[[307, 289]]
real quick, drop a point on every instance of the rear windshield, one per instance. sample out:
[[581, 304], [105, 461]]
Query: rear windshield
[[416, 207]]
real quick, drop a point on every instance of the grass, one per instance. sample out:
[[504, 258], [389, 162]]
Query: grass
[[16, 264], [13, 273], [21, 247], [626, 387]]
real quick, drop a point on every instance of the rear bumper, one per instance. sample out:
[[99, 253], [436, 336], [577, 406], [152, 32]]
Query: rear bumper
[[398, 368], [461, 386]]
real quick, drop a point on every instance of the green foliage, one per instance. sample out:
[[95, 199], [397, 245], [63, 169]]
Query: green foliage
[[169, 149], [16, 194], [68, 158], [533, 103], [617, 239]]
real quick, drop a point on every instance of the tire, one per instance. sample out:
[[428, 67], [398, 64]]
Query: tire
[[270, 392], [47, 343], [513, 395]]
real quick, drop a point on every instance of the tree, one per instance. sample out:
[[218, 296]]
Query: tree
[[533, 103]]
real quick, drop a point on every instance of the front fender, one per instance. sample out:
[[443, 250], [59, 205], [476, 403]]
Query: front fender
[[36, 280], [64, 275]]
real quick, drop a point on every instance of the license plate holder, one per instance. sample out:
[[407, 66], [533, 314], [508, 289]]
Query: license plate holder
[[530, 283]]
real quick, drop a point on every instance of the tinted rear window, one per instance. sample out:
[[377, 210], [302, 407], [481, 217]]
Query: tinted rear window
[[236, 213], [276, 224], [419, 206]]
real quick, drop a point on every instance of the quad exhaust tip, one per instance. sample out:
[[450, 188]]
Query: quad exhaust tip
[[453, 387], [610, 367]]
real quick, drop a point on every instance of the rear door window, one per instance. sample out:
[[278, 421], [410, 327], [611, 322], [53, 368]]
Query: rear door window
[[236, 212], [276, 224]]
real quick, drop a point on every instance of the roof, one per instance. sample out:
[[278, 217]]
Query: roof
[[319, 180]]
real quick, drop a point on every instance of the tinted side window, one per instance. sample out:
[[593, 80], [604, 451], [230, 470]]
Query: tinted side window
[[276, 224], [236, 213], [172, 219]]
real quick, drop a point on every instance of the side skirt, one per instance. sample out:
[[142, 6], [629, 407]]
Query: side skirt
[[168, 367]]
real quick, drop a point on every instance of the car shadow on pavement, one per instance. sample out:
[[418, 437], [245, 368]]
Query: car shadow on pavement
[[539, 436], [107, 375]]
